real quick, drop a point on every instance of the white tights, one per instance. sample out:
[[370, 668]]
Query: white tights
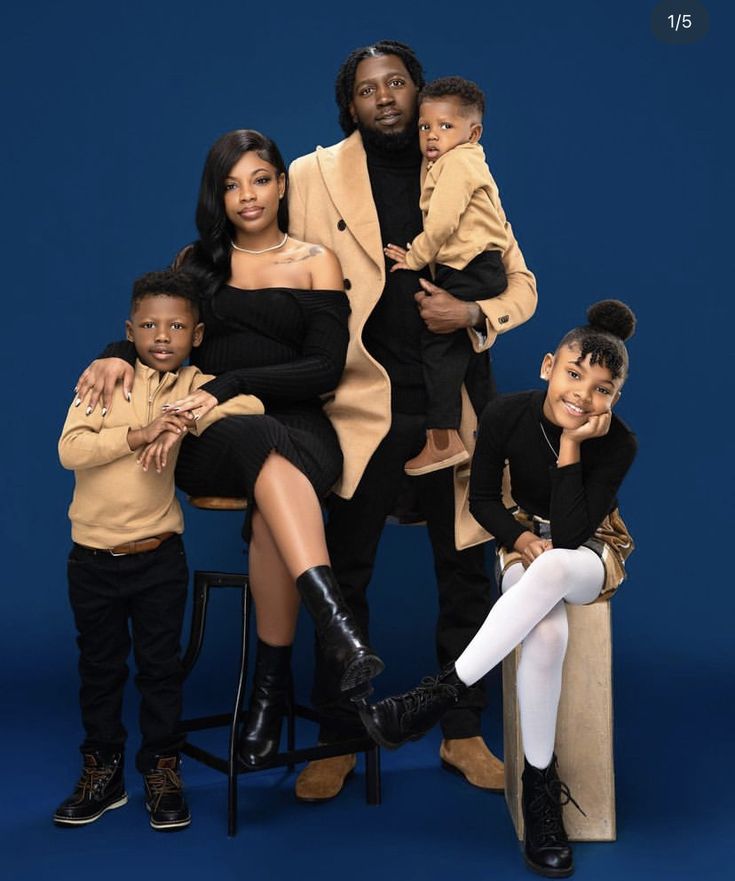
[[533, 613]]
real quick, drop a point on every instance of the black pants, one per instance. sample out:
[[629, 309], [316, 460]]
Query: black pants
[[446, 356], [149, 591], [354, 528]]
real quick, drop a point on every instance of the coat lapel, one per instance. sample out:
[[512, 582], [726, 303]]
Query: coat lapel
[[346, 177]]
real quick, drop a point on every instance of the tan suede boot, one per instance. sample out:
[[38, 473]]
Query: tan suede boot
[[443, 448], [470, 757], [324, 778]]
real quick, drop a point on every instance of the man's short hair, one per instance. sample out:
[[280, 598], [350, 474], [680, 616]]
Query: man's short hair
[[345, 82]]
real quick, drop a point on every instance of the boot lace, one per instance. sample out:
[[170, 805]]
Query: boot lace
[[546, 805], [94, 780], [162, 782], [417, 701]]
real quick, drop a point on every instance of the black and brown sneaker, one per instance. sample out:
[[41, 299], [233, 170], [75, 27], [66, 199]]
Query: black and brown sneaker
[[164, 795], [100, 788]]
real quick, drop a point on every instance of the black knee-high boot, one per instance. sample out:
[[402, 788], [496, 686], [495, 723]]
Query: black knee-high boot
[[340, 638], [546, 846], [261, 732]]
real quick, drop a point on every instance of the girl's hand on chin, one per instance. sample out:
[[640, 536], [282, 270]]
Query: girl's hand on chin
[[596, 426]]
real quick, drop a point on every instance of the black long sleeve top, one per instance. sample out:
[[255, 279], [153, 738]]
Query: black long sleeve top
[[279, 344], [574, 498]]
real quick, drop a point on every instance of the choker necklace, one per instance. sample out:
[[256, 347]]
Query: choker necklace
[[546, 438], [262, 250]]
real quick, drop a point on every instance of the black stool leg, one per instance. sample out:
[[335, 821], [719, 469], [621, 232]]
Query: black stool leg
[[232, 759], [198, 620], [372, 775], [291, 722]]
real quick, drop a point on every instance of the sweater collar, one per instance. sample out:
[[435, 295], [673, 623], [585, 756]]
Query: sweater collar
[[380, 157]]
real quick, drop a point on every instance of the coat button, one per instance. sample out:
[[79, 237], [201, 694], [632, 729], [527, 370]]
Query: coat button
[[348, 284], [504, 319], [341, 225]]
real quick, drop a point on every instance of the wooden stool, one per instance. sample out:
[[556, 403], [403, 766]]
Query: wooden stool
[[203, 582], [584, 731]]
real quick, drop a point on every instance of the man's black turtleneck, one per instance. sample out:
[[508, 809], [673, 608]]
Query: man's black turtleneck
[[392, 333]]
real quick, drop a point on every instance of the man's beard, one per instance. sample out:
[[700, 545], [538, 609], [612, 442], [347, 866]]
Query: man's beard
[[390, 142]]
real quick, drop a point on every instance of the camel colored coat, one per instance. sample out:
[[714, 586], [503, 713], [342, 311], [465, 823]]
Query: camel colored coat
[[331, 203]]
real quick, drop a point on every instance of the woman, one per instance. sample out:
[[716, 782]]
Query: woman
[[276, 325]]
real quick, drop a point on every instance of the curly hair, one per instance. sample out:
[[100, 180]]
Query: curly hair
[[609, 324], [166, 283], [468, 93], [345, 82], [209, 257]]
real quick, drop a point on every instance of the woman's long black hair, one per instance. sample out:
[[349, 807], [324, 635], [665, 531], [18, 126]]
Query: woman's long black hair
[[209, 257]]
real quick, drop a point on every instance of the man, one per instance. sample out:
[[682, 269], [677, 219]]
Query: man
[[355, 198]]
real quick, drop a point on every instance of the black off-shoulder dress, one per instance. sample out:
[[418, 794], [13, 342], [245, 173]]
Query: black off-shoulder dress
[[288, 348]]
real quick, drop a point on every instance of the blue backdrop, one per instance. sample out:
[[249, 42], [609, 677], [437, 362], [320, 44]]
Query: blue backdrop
[[613, 154]]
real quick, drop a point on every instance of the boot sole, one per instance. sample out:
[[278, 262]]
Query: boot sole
[[458, 459], [377, 735], [548, 873], [360, 671], [67, 821], [168, 827], [453, 769]]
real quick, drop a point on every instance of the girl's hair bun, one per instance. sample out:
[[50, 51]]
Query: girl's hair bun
[[612, 316]]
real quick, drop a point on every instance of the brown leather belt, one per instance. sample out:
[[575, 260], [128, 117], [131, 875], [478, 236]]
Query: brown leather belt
[[141, 546]]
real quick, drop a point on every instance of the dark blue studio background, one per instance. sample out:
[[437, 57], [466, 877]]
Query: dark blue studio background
[[613, 154]]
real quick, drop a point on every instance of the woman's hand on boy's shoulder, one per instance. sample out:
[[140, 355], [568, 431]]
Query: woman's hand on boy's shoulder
[[97, 383]]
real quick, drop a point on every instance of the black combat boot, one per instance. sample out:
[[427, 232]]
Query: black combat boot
[[164, 795], [546, 847], [409, 716], [261, 733], [339, 636], [100, 788]]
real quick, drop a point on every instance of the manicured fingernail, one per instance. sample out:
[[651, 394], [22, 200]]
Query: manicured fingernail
[[77, 402], [88, 411], [128, 395], [104, 411]]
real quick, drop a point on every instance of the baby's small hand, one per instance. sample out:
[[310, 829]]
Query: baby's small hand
[[398, 254]]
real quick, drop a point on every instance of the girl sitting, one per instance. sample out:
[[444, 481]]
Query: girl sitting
[[564, 543]]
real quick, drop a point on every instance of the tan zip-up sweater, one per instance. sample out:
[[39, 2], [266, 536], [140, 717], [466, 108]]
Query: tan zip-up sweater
[[115, 501], [461, 208]]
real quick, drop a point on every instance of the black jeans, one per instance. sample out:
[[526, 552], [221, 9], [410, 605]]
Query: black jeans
[[149, 591], [353, 531]]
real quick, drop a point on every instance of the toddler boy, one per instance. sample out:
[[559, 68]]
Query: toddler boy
[[464, 237]]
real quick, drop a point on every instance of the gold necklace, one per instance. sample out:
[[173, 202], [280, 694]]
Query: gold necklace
[[262, 250]]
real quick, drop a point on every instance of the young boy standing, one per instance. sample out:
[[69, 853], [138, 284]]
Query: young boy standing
[[464, 238], [127, 564]]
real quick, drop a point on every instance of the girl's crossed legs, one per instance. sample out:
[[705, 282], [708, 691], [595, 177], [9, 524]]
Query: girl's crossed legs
[[531, 611]]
